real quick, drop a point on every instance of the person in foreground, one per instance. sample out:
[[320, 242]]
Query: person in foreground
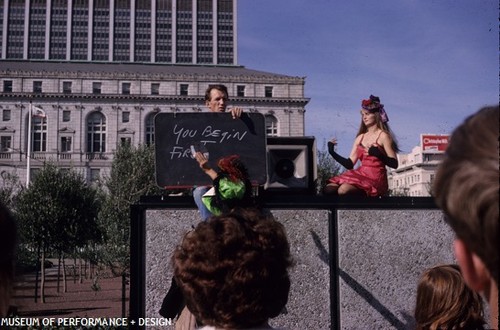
[[233, 270], [466, 188], [375, 146], [8, 243], [445, 302]]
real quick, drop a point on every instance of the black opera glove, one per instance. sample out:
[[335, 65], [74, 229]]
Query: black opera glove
[[389, 161], [346, 162]]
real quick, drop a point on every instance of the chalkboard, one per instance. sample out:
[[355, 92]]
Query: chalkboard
[[216, 134]]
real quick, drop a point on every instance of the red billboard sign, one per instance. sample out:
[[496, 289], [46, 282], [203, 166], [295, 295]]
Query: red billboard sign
[[434, 143]]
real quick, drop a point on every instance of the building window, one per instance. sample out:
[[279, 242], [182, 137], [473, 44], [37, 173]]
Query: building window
[[150, 129], [7, 86], [5, 143], [96, 133], [66, 115], [66, 143], [95, 174], [155, 89], [67, 85], [268, 91], [125, 116], [6, 114], [126, 88], [96, 87], [39, 134], [37, 86], [271, 125], [126, 141], [240, 91], [184, 89]]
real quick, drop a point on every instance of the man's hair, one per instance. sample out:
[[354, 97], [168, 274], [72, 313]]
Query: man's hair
[[233, 269], [467, 183], [221, 88], [444, 301]]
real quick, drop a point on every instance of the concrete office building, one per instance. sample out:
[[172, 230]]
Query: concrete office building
[[101, 69], [417, 170]]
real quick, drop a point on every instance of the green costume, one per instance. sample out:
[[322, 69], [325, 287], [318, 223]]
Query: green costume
[[227, 190]]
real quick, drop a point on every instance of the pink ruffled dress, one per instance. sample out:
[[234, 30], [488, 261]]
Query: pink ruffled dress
[[370, 176]]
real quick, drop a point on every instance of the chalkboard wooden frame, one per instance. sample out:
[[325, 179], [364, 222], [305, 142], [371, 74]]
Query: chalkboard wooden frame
[[219, 134]]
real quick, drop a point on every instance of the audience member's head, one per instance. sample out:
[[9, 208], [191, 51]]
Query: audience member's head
[[233, 270], [444, 301], [7, 253], [467, 189]]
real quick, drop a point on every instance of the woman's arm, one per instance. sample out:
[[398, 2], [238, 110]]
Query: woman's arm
[[348, 163]]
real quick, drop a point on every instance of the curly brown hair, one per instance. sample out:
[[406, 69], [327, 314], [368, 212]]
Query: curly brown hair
[[233, 269], [444, 301]]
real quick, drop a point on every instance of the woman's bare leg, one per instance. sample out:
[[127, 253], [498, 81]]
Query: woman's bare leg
[[347, 189], [330, 189]]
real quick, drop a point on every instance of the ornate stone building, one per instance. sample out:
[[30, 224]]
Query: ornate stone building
[[91, 108], [101, 69]]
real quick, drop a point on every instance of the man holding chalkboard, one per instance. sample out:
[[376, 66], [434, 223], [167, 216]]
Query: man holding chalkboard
[[216, 97]]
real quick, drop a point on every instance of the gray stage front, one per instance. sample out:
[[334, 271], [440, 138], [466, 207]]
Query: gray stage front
[[356, 266]]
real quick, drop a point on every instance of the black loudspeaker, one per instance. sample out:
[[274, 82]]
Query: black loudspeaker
[[291, 164]]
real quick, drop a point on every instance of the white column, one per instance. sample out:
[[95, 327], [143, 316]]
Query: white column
[[48, 23], [111, 47], [69, 23], [215, 38], [90, 29], [4, 28], [132, 30], [28, 151], [153, 31], [174, 31], [194, 34], [235, 32], [26, 28]]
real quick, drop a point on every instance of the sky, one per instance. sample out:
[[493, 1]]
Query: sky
[[431, 62]]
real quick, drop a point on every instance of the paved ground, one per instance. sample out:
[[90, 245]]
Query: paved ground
[[80, 300]]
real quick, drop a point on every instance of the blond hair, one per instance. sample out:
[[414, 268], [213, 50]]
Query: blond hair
[[444, 301]]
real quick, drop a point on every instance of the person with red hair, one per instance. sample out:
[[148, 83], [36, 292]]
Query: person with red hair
[[231, 186], [375, 146]]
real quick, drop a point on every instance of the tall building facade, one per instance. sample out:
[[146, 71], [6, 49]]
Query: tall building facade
[[144, 31], [100, 75]]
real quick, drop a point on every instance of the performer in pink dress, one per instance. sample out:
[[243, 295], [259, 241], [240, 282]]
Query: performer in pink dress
[[375, 147]]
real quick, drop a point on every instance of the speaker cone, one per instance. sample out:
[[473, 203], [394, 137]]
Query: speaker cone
[[284, 168]]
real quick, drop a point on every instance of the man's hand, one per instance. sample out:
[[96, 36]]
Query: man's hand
[[236, 112]]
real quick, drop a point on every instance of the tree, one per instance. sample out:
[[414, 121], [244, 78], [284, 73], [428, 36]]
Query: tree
[[9, 188], [327, 167], [58, 211], [132, 176]]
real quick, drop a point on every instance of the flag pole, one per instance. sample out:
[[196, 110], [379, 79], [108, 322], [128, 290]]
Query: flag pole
[[28, 153]]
